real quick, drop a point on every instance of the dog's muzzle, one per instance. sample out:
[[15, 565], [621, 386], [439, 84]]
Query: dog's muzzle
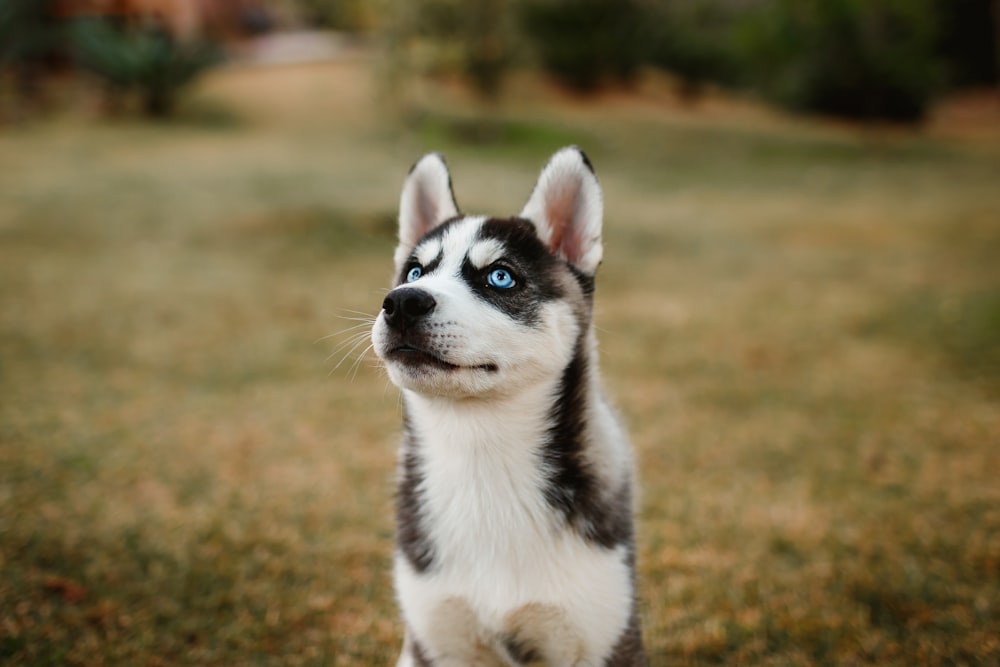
[[405, 307]]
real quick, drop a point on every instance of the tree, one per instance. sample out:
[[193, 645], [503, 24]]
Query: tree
[[142, 59]]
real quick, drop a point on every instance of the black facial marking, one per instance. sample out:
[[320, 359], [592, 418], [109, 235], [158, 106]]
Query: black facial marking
[[412, 260], [425, 268], [572, 487], [411, 536], [535, 270]]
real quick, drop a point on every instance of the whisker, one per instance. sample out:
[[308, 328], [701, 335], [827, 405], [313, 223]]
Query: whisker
[[360, 317], [358, 312], [355, 328], [350, 345], [353, 337], [357, 362], [356, 344]]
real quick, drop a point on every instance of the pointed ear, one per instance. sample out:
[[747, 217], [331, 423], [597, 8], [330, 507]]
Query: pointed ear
[[567, 209], [425, 203]]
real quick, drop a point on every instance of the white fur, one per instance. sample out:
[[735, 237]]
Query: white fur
[[484, 253]]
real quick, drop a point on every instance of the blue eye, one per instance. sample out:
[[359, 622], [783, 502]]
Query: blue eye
[[501, 278], [413, 274]]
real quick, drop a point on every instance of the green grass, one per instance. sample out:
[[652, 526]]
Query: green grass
[[800, 325]]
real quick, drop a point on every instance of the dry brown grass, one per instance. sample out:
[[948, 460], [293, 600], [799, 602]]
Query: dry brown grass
[[800, 322]]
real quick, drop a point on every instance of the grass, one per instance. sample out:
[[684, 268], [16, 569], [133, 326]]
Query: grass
[[798, 321]]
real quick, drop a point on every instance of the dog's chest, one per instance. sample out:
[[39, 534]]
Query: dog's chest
[[505, 564], [483, 487]]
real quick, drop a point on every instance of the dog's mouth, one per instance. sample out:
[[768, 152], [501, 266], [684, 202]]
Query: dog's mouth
[[409, 355]]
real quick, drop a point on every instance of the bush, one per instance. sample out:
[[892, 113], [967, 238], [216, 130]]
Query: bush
[[969, 33], [26, 32], [454, 36], [692, 39], [29, 40], [584, 43], [350, 15], [867, 59], [144, 59]]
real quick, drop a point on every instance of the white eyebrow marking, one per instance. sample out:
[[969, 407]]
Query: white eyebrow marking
[[485, 252], [428, 252]]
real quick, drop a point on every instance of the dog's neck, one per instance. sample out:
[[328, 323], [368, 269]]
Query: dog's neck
[[482, 425], [515, 420]]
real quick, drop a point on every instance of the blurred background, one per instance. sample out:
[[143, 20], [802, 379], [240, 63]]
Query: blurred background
[[799, 312], [889, 60]]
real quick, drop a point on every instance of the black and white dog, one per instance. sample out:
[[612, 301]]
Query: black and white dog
[[514, 507]]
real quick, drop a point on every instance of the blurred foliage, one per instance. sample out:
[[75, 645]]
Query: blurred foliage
[[142, 59], [693, 41], [26, 32], [585, 43], [866, 59], [968, 41], [473, 39], [350, 15], [853, 58], [28, 38]]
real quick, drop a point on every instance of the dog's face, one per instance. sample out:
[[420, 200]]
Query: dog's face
[[484, 306]]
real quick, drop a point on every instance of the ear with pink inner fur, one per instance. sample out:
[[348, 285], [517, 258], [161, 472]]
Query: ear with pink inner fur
[[426, 201], [567, 209]]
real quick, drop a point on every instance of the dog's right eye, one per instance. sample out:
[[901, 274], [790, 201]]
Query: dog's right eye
[[501, 278], [413, 274]]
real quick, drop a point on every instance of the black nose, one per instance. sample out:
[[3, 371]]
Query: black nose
[[404, 307]]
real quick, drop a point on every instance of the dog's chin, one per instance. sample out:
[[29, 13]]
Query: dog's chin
[[426, 373]]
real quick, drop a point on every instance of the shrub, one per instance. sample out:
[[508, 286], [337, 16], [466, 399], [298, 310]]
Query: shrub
[[969, 33], [26, 31], [856, 58], [454, 36], [692, 39], [584, 43], [28, 39], [143, 59]]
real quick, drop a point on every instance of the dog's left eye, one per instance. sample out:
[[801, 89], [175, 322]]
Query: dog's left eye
[[413, 274], [500, 278]]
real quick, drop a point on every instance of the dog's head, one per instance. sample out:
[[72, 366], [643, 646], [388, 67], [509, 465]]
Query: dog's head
[[481, 306]]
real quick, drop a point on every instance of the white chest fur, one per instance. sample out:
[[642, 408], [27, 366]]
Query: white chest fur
[[502, 557]]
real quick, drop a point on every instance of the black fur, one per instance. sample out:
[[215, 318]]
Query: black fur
[[572, 487], [412, 260], [411, 536], [534, 269], [628, 651]]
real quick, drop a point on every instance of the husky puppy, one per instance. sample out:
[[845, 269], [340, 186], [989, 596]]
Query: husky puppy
[[514, 500]]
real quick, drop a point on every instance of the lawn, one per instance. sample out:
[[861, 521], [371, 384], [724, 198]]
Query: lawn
[[799, 321]]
